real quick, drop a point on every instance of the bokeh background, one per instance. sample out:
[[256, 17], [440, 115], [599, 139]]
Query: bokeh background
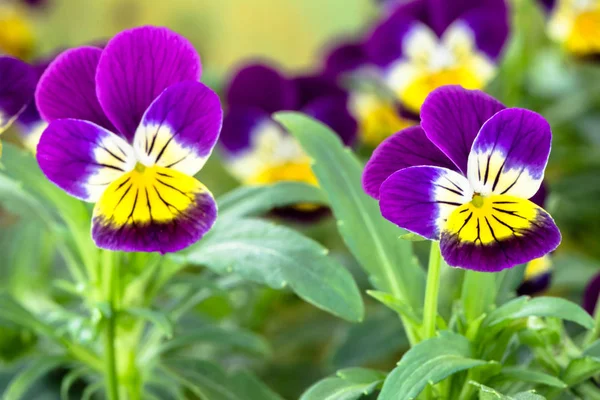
[[294, 34]]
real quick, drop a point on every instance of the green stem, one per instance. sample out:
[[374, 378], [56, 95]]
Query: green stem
[[110, 366], [431, 291]]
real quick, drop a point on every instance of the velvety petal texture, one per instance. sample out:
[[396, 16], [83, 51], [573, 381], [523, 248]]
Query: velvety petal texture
[[452, 117], [510, 154], [17, 85], [180, 128], [499, 233], [83, 158], [67, 89], [421, 199], [136, 66], [157, 209], [590, 294], [407, 148]]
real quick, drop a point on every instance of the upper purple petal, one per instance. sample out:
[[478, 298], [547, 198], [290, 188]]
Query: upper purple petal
[[67, 88], [238, 126], [312, 87], [136, 66], [333, 111], [407, 148], [17, 85], [452, 116], [262, 87], [490, 26], [442, 13], [180, 128], [345, 57]]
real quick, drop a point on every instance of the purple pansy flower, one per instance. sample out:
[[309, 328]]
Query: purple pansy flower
[[257, 149], [377, 115], [130, 126], [464, 178], [575, 25], [425, 44], [17, 86]]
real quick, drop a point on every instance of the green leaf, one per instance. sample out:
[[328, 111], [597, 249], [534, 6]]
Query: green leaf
[[19, 386], [523, 374], [580, 370], [540, 307], [238, 339], [593, 350], [350, 384], [278, 257], [413, 237], [253, 201], [161, 320], [209, 381], [487, 393], [396, 305], [478, 294], [69, 379], [372, 240], [429, 362]]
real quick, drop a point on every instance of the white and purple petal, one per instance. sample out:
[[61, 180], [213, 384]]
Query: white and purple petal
[[239, 126], [452, 116], [420, 199], [67, 88], [262, 87], [136, 66], [17, 85], [83, 158], [510, 154], [180, 128], [407, 148]]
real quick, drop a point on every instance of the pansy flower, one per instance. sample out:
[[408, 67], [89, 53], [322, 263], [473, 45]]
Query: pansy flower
[[575, 25], [378, 114], [17, 85], [256, 148], [130, 125], [425, 44], [591, 293], [465, 177]]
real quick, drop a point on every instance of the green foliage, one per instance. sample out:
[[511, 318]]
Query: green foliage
[[348, 384], [278, 257]]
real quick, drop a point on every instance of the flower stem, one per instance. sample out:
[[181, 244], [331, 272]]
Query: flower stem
[[431, 291], [110, 366]]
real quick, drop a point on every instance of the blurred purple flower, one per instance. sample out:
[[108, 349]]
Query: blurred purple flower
[[590, 294]]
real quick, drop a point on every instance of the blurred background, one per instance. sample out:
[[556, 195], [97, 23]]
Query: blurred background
[[293, 34]]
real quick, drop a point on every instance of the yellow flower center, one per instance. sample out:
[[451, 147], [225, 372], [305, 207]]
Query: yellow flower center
[[291, 171], [477, 200]]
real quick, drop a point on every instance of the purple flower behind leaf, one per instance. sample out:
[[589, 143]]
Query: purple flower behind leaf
[[129, 127], [464, 178], [425, 44], [590, 294], [257, 149], [17, 86]]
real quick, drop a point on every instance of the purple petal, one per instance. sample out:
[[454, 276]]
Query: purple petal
[[313, 87], [67, 89], [590, 295], [452, 117], [345, 57], [180, 128], [538, 276], [82, 158], [548, 4], [443, 13], [333, 111], [17, 85], [510, 154], [263, 87], [158, 210], [420, 199], [490, 28], [407, 148], [239, 125], [501, 232], [540, 197], [136, 66]]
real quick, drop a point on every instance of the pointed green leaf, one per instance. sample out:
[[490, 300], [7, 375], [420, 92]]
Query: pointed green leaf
[[429, 362], [580, 370], [159, 319], [373, 240], [253, 201], [396, 305], [19, 386], [523, 374], [278, 257]]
